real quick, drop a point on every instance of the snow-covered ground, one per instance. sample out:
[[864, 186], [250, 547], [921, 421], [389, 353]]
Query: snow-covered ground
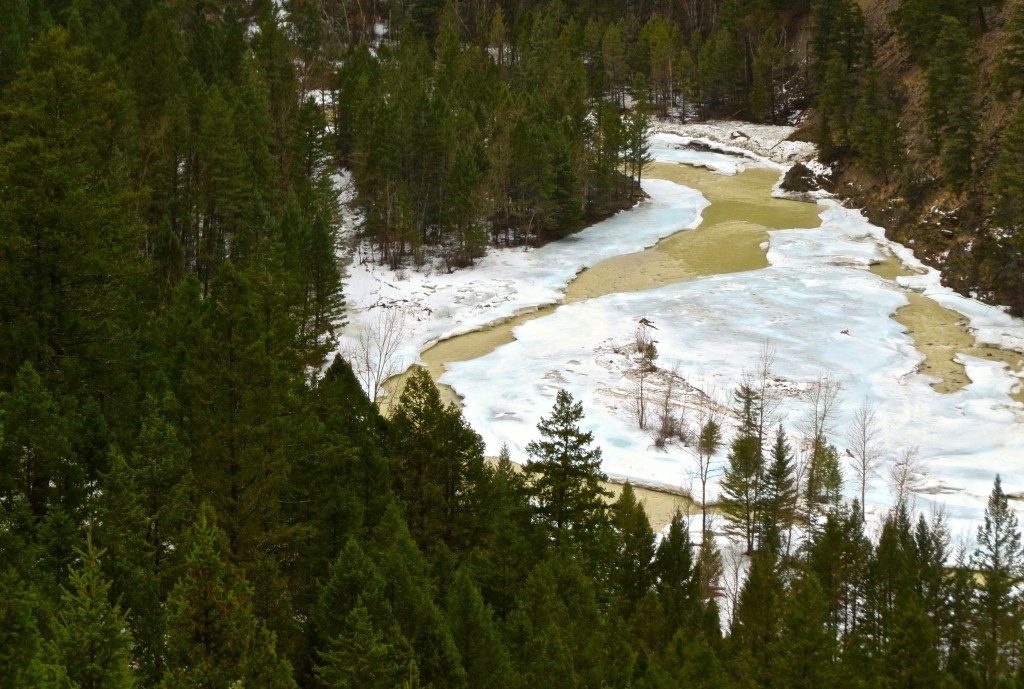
[[438, 305], [817, 306]]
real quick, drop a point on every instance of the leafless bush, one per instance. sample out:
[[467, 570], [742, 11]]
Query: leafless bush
[[373, 356]]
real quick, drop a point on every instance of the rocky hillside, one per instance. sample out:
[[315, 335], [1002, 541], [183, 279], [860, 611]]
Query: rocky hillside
[[949, 222]]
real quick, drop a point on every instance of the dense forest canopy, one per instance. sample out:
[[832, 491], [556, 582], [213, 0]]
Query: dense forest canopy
[[190, 498]]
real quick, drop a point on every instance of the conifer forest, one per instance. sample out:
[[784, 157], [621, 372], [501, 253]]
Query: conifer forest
[[196, 493]]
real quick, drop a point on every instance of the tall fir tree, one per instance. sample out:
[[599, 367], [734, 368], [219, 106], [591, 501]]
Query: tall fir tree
[[214, 638], [1000, 560], [91, 638], [566, 474]]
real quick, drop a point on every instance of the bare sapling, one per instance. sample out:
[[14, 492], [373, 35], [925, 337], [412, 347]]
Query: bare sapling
[[374, 354], [905, 478], [708, 416], [645, 353], [863, 449], [670, 422]]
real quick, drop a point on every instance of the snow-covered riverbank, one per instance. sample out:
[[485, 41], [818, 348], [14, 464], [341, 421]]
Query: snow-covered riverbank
[[817, 305]]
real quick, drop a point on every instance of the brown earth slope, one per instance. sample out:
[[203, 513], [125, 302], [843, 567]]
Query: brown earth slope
[[947, 229]]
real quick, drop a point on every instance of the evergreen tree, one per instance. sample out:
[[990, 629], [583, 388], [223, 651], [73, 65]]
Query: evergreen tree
[[38, 463], [505, 559], [121, 530], [678, 576], [439, 462], [566, 474], [91, 637], [951, 104], [778, 497], [1007, 198], [805, 656], [69, 244], [756, 621], [362, 655], [475, 633], [633, 569], [214, 638], [741, 482], [23, 660], [412, 594], [1000, 561], [1009, 74], [874, 130]]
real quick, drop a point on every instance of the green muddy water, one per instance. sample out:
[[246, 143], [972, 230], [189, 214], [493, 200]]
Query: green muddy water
[[940, 333], [732, 237]]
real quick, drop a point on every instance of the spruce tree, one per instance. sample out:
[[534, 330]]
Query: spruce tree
[[439, 463], [1009, 74], [635, 551], [476, 635], [363, 655], [91, 638], [1000, 560], [566, 474], [677, 575], [951, 105], [214, 637], [1007, 199], [778, 497], [24, 661], [67, 216]]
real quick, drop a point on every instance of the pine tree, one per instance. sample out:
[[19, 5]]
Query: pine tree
[[1000, 560], [411, 592], [756, 621], [951, 104], [67, 216], [778, 497], [506, 557], [440, 466], [362, 655], [1009, 74], [38, 462], [121, 530], [23, 660], [804, 658], [633, 570], [476, 635], [678, 576], [1007, 198], [91, 637], [741, 482], [214, 637], [566, 474]]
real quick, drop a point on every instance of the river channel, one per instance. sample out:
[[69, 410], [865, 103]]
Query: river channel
[[732, 237]]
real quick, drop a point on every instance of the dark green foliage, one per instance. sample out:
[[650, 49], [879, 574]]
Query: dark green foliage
[[214, 637], [1007, 198], [69, 242], [778, 497], [23, 661], [756, 622], [921, 21], [566, 475], [170, 285], [633, 568], [1009, 75], [678, 577], [475, 633], [440, 469], [951, 107], [91, 640], [874, 131], [362, 656], [1000, 561]]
